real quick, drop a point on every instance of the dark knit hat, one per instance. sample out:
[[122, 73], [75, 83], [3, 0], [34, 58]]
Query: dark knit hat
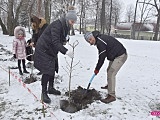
[[71, 15], [87, 36]]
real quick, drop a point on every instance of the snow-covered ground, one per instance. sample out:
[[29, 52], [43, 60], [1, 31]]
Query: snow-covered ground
[[137, 84]]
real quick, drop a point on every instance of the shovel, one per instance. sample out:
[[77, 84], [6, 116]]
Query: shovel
[[89, 85]]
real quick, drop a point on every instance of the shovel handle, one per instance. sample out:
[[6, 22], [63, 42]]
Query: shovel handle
[[90, 82], [92, 78]]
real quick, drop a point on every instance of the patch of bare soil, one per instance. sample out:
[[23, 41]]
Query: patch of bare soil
[[30, 79], [79, 99]]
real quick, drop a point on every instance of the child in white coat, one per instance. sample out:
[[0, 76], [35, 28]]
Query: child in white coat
[[19, 48]]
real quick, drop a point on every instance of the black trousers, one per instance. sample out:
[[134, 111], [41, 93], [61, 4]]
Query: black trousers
[[45, 79], [23, 63]]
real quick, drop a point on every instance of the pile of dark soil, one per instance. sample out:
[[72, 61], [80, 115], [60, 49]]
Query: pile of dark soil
[[30, 79], [79, 99]]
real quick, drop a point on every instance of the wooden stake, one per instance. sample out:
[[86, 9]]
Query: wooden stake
[[9, 75]]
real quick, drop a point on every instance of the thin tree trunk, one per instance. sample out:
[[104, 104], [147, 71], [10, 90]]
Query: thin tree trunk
[[103, 17], [4, 29], [47, 10], [10, 18], [39, 8], [110, 19], [157, 27], [81, 17], [96, 20], [133, 31], [30, 9], [141, 24]]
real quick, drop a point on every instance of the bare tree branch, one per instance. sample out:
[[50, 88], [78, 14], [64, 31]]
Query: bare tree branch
[[76, 64], [3, 9], [148, 3]]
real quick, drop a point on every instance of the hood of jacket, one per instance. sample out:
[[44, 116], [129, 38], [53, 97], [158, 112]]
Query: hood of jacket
[[17, 29], [42, 23]]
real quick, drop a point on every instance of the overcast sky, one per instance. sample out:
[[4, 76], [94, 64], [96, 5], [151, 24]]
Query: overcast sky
[[124, 4]]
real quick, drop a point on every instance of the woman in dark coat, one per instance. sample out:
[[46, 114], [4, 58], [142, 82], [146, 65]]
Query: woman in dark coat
[[47, 47], [38, 26]]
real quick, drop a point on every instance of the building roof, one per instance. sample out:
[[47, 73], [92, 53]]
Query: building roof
[[142, 27]]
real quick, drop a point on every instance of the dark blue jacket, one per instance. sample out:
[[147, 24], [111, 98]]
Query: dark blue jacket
[[108, 47]]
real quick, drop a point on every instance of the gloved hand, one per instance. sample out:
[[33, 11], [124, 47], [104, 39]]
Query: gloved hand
[[96, 72], [70, 54], [14, 55]]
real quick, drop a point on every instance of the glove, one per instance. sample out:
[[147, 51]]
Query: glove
[[96, 72], [14, 55], [70, 54]]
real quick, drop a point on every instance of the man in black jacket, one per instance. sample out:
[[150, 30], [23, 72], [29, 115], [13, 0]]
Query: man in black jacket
[[47, 47], [110, 48]]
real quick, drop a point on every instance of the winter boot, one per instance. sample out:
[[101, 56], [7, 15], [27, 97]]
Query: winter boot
[[25, 71], [19, 67], [24, 67], [105, 87], [44, 96], [20, 72], [108, 99], [51, 89]]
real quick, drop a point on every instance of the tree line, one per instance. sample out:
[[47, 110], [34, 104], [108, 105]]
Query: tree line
[[101, 13]]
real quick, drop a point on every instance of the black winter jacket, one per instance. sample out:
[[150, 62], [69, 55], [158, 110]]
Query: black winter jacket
[[108, 47], [49, 44], [35, 35]]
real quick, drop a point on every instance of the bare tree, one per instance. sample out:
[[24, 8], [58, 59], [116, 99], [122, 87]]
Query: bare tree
[[4, 29], [116, 12], [30, 9], [158, 20], [70, 67], [130, 12], [110, 18], [144, 10], [97, 15], [12, 19], [155, 5], [103, 18], [39, 8], [47, 6], [82, 16], [133, 31]]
